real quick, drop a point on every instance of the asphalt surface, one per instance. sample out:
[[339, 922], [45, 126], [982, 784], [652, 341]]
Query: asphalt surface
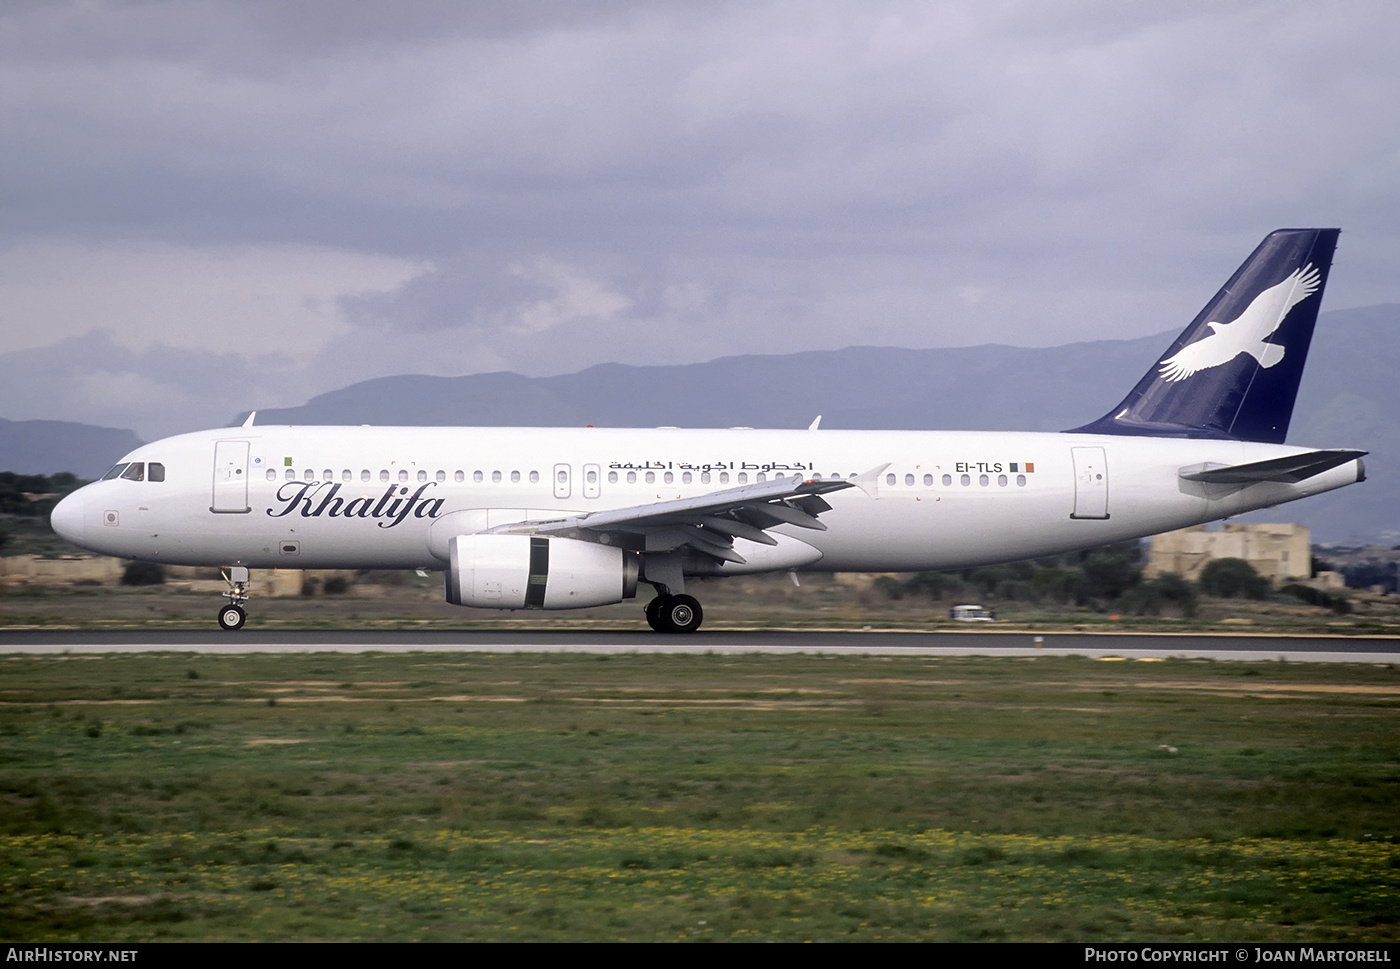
[[1316, 649]]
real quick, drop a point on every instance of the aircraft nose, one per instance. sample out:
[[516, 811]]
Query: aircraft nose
[[67, 517]]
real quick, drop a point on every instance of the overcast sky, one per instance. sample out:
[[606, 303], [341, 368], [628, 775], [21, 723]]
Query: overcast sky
[[217, 205]]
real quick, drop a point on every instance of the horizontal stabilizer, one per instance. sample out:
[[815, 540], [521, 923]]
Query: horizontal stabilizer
[[1290, 470]]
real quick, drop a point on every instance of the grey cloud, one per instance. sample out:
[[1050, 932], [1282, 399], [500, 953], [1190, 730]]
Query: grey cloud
[[717, 177], [155, 392]]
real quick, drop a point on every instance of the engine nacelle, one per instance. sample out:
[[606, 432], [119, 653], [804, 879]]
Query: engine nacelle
[[534, 572]]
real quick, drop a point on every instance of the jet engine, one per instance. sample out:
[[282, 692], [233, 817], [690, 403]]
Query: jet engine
[[535, 572]]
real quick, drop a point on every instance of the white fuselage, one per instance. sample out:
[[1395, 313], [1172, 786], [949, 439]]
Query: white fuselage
[[393, 497]]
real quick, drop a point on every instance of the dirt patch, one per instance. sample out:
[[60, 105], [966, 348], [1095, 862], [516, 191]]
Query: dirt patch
[[1234, 689], [717, 704]]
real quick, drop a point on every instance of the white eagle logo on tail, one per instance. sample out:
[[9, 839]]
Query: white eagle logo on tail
[[1247, 333]]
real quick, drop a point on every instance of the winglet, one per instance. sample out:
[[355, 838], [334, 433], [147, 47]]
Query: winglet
[[869, 482], [1233, 374]]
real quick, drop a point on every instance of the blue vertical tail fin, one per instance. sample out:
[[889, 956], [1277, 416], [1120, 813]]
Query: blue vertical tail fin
[[1234, 372]]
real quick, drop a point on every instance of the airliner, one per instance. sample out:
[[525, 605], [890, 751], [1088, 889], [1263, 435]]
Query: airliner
[[568, 518]]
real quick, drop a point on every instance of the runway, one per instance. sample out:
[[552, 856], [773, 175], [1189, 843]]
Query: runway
[[1299, 649]]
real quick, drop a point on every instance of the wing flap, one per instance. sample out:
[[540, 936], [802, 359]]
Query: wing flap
[[685, 511], [706, 523]]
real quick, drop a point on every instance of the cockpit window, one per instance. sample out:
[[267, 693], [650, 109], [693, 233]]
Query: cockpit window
[[136, 471]]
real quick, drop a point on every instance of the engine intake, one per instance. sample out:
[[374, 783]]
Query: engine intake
[[534, 572]]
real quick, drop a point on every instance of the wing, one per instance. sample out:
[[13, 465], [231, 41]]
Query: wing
[[1210, 352], [1267, 310], [1247, 332], [708, 523], [1306, 281]]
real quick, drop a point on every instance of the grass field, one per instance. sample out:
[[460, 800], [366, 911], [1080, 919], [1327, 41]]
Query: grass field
[[661, 797]]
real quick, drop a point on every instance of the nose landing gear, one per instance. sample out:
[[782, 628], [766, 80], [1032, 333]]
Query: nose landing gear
[[232, 615]]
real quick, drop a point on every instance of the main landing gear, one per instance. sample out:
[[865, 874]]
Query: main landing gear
[[674, 614], [232, 615]]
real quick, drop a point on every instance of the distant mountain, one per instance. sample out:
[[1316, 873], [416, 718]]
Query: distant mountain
[[46, 447], [1349, 398], [976, 388]]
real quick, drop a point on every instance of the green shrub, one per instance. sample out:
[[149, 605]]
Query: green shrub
[[143, 573], [1232, 579]]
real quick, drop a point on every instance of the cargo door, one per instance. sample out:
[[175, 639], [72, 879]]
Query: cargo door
[[1090, 482]]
